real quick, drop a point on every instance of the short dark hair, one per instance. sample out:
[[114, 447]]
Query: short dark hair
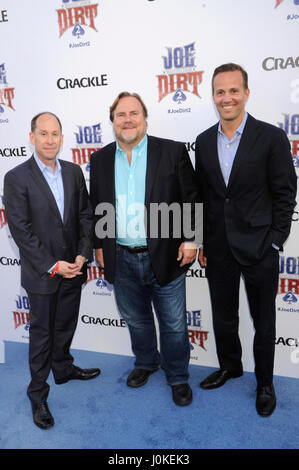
[[125, 94], [35, 118], [230, 67]]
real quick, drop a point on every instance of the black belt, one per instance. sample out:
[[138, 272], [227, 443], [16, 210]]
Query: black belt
[[134, 249]]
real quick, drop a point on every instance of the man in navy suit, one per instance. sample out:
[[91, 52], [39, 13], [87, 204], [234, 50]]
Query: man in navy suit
[[248, 186], [50, 218]]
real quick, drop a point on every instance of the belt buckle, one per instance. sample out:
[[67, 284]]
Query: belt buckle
[[134, 249], [137, 249]]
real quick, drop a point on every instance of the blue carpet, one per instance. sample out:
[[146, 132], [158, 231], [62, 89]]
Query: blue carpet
[[106, 414]]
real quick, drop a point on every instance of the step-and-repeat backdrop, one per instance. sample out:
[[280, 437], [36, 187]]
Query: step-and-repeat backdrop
[[72, 57]]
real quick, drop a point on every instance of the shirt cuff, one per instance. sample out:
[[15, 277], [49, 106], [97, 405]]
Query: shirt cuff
[[275, 246], [51, 269]]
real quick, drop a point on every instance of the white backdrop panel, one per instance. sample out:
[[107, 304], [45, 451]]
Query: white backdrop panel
[[108, 46]]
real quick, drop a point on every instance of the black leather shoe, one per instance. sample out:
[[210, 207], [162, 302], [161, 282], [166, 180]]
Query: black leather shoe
[[79, 374], [218, 378], [182, 394], [139, 377], [42, 416], [265, 400]]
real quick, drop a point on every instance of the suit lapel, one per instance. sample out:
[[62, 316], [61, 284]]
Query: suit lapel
[[67, 188], [248, 139], [108, 169], [44, 187], [153, 160], [214, 157]]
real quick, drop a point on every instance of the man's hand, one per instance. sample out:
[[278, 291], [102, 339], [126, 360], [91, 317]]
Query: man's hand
[[68, 270], [187, 253], [201, 258], [99, 256], [79, 261]]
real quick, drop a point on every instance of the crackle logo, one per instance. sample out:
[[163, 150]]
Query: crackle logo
[[21, 314], [95, 274], [6, 92], [197, 336], [180, 76], [79, 16], [88, 141], [290, 124], [3, 219]]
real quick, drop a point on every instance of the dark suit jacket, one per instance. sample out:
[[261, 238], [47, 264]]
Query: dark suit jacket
[[36, 225], [170, 178], [256, 207]]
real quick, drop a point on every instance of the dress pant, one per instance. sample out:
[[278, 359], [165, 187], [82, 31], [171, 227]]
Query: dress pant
[[136, 289], [53, 320], [261, 283]]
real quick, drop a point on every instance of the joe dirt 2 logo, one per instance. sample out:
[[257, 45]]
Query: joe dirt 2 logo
[[80, 17], [179, 77]]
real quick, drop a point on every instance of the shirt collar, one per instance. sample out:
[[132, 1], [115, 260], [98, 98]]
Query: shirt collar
[[240, 128], [44, 167], [139, 146]]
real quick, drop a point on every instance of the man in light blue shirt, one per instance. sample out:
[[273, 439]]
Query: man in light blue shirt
[[134, 174], [130, 194]]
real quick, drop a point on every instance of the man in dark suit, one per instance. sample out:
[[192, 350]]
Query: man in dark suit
[[134, 175], [50, 218], [248, 185]]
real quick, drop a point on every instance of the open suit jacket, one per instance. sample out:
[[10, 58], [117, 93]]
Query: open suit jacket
[[170, 178], [255, 209], [35, 223]]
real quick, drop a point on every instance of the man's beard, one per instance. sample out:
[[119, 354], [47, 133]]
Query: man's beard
[[128, 140]]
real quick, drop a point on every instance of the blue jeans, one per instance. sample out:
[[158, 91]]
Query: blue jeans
[[136, 288]]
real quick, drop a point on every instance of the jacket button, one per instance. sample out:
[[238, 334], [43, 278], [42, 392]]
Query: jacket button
[[227, 199]]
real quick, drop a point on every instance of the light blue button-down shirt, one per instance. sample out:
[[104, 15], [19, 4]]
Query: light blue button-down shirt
[[227, 149], [54, 181], [130, 195]]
